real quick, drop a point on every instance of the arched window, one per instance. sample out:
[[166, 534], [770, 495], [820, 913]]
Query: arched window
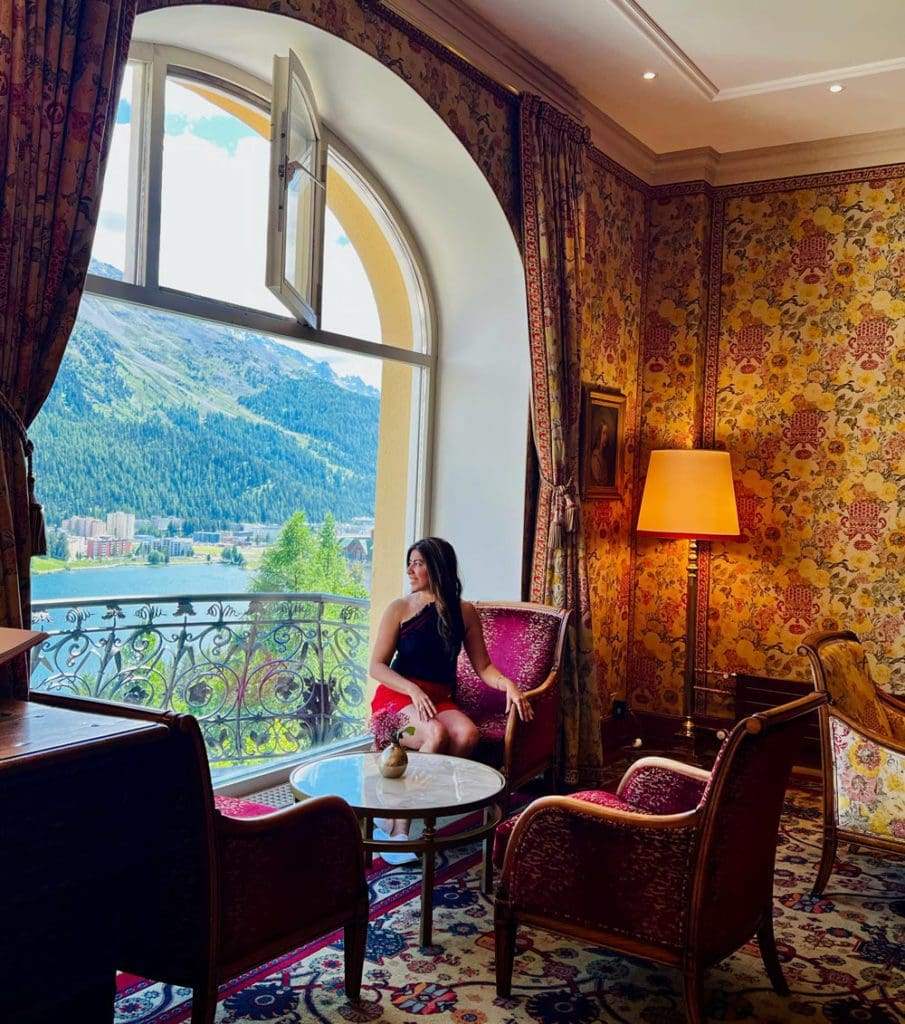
[[195, 415], [184, 226]]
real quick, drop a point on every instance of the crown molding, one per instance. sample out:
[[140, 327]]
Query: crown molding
[[486, 48], [872, 149], [489, 50], [685, 165], [618, 143], [880, 67]]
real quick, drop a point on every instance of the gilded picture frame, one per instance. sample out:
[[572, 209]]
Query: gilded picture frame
[[602, 444]]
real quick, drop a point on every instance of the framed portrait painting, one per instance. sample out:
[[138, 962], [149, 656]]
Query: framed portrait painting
[[602, 436]]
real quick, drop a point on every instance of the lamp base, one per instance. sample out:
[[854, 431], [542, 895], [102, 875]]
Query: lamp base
[[687, 728], [685, 739]]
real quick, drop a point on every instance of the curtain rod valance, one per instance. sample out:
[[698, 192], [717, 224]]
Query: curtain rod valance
[[552, 116]]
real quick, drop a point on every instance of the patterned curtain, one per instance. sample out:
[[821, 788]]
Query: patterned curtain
[[553, 152], [60, 66]]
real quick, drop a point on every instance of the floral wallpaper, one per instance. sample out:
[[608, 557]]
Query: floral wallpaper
[[615, 252], [481, 113], [774, 328], [810, 385], [672, 368]]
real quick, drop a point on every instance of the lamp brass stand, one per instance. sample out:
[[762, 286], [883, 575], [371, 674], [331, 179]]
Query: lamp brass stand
[[691, 625]]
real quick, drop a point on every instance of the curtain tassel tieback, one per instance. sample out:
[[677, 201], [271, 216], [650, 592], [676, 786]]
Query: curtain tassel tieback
[[36, 524], [565, 511], [37, 532]]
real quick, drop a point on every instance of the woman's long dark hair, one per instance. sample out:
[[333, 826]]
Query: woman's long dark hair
[[443, 576]]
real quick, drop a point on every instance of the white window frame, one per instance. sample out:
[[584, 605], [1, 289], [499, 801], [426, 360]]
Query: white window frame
[[303, 298], [143, 248], [144, 221]]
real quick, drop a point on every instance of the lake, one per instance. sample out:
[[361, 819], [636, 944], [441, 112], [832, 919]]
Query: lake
[[141, 580]]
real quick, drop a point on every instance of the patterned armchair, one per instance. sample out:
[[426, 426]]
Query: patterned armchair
[[525, 642], [222, 894], [862, 741], [676, 867]]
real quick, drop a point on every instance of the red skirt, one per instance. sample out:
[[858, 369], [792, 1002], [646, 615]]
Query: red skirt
[[385, 699]]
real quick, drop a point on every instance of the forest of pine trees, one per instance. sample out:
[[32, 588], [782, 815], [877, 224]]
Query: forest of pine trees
[[158, 415]]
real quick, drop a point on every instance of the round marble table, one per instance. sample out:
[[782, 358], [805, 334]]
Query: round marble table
[[434, 785]]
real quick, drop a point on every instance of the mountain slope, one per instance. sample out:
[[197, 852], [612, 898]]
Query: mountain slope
[[157, 414]]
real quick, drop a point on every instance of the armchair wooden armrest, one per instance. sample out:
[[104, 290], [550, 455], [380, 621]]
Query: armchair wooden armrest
[[538, 823], [315, 851], [527, 746], [544, 687], [690, 771]]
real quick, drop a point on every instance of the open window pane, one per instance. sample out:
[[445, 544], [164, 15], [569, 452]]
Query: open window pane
[[296, 193], [213, 220], [300, 177]]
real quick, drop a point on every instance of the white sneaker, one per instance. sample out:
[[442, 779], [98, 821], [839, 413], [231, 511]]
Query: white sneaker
[[403, 857]]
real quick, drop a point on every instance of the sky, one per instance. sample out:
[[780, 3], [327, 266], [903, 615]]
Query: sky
[[213, 238]]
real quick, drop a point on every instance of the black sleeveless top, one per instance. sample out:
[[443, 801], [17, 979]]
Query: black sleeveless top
[[421, 652]]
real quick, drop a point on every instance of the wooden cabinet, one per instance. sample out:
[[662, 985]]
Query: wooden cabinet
[[70, 822], [760, 693]]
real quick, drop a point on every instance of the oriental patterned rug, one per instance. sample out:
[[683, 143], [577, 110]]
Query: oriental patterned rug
[[843, 957]]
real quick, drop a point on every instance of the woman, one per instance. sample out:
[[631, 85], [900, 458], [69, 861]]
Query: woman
[[600, 467], [414, 661]]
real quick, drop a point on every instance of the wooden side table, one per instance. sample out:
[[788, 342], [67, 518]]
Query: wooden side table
[[69, 825]]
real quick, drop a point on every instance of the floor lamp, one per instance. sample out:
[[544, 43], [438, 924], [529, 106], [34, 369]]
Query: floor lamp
[[689, 495]]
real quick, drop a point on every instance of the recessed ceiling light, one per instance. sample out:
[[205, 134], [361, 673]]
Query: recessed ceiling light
[[836, 87], [649, 76]]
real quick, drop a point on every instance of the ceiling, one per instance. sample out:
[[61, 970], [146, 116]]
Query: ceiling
[[732, 75]]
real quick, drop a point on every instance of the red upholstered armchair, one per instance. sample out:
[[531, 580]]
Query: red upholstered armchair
[[676, 868], [525, 642], [222, 894]]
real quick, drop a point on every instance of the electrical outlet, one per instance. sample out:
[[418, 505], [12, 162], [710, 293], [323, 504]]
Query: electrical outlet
[[620, 709]]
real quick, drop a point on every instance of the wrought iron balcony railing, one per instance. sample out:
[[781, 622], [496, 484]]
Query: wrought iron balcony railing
[[268, 676]]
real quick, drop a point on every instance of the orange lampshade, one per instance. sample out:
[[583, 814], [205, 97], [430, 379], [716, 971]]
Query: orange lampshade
[[689, 494]]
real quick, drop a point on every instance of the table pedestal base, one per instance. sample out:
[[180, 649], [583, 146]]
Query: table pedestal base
[[427, 845]]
